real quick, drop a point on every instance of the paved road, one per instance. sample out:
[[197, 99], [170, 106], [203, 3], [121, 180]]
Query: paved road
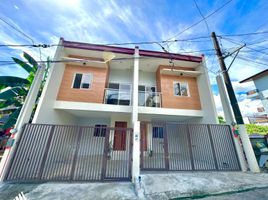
[[258, 194]]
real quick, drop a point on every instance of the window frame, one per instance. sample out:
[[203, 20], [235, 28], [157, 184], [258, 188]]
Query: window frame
[[100, 130], [80, 88], [121, 91], [181, 82], [159, 135]]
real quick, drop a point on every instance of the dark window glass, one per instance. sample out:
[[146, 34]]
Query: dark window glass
[[114, 85], [100, 130], [158, 132], [77, 81], [141, 88]]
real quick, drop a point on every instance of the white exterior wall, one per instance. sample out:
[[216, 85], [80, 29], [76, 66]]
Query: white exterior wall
[[45, 112], [120, 76], [147, 78], [262, 85], [82, 121], [206, 96]]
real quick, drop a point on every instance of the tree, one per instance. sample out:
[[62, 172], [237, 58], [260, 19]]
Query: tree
[[13, 90], [221, 119]]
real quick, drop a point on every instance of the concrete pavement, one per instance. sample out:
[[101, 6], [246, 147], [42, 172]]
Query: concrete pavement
[[152, 186]]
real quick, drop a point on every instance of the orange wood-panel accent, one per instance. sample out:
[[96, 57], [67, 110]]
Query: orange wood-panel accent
[[158, 80], [169, 100], [144, 136], [94, 95]]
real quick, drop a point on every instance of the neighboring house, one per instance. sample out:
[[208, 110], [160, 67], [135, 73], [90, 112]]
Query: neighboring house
[[261, 93], [105, 112]]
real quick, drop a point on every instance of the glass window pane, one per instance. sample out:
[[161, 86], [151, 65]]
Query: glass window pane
[[124, 87], [114, 85], [141, 88], [158, 132], [86, 81], [112, 97], [124, 98], [177, 89], [184, 89], [141, 98], [77, 81]]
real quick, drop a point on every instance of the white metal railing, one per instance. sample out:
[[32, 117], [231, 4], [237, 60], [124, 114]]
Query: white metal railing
[[150, 99]]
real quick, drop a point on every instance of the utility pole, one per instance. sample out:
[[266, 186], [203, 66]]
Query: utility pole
[[227, 81]]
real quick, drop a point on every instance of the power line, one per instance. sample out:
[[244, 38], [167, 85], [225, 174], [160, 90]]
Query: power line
[[110, 44], [198, 22], [16, 29], [244, 34], [238, 42]]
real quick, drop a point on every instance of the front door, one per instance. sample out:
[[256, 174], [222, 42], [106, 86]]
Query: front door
[[120, 136]]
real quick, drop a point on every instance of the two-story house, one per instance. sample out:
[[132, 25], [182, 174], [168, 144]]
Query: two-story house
[[106, 112]]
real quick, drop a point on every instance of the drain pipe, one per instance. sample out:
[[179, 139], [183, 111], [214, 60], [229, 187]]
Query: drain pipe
[[23, 118]]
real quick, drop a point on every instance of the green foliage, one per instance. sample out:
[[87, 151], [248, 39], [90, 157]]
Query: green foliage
[[257, 129], [14, 89], [24, 65], [221, 120], [12, 81]]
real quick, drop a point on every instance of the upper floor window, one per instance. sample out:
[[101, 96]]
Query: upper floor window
[[83, 81], [181, 89]]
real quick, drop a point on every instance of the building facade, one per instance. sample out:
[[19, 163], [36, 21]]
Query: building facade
[[260, 81]]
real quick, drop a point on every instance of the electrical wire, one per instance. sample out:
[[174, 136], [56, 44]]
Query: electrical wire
[[198, 22], [244, 34]]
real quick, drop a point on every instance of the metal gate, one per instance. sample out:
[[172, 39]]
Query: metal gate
[[187, 147], [71, 153]]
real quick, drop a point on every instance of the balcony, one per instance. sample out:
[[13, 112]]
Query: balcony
[[123, 97], [253, 94], [150, 99], [117, 97]]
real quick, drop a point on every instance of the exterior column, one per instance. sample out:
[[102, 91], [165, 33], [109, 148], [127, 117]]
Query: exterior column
[[230, 119], [135, 122], [23, 118]]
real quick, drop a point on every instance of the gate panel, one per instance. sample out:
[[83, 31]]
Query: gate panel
[[225, 151], [90, 154], [67, 153], [154, 156], [61, 153], [118, 165], [28, 158], [201, 147], [178, 147]]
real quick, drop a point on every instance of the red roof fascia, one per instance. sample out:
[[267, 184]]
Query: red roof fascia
[[130, 51]]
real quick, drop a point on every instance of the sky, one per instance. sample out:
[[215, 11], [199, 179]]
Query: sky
[[118, 21]]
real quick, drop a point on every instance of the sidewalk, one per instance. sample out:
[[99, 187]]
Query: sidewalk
[[153, 186]]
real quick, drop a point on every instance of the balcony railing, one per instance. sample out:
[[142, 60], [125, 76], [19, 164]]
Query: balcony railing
[[150, 99], [117, 97], [123, 97]]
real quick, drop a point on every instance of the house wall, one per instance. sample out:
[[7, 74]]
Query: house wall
[[45, 112], [206, 96], [120, 76], [261, 83], [169, 100], [94, 94], [147, 78]]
